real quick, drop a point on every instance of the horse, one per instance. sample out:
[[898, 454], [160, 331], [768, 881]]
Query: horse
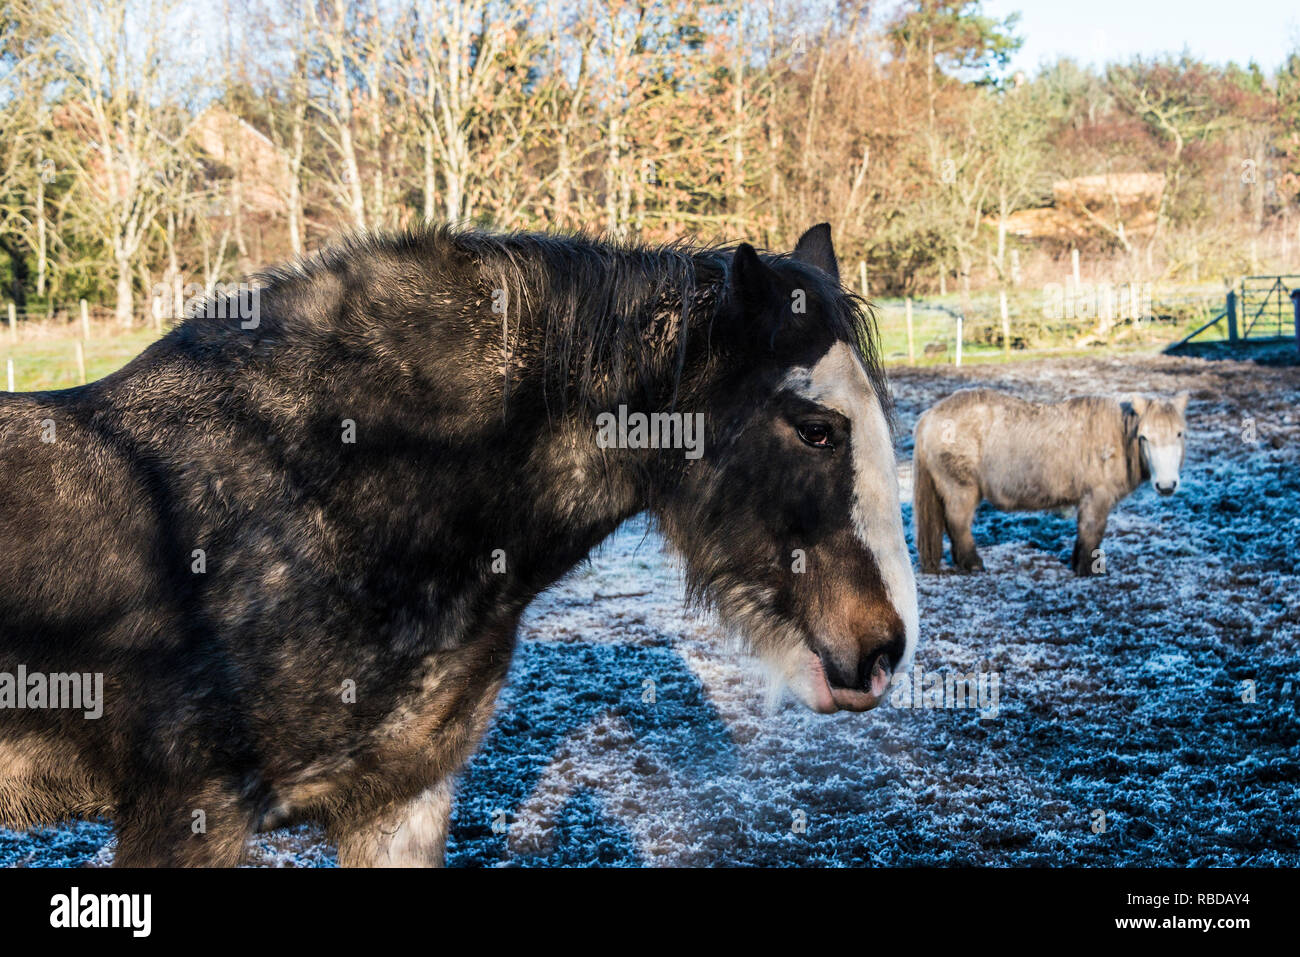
[[294, 537], [1090, 452]]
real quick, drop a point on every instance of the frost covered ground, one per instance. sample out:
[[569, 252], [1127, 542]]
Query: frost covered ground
[[631, 734]]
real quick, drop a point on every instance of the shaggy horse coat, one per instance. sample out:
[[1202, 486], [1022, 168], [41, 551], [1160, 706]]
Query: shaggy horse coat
[[979, 444], [296, 546]]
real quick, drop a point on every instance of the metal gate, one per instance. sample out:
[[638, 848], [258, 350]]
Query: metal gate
[[1266, 309]]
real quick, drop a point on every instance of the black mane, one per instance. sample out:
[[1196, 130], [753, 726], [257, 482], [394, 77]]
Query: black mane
[[599, 318]]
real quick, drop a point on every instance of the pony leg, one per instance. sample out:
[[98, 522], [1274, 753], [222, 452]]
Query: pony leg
[[959, 505], [413, 834], [1092, 526]]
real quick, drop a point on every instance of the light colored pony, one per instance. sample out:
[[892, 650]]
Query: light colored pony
[[982, 445]]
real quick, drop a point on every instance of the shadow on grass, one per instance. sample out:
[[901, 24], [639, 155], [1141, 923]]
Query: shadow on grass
[[1049, 532], [557, 689]]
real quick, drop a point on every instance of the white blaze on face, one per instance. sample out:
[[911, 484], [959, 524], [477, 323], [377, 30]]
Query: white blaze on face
[[839, 382], [1160, 426], [1164, 461]]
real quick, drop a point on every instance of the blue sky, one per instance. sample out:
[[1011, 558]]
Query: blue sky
[[1100, 31]]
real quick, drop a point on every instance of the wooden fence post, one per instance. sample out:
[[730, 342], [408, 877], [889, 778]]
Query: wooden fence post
[[85, 320], [13, 325], [81, 361], [1231, 310], [960, 322], [862, 276], [911, 343], [11, 374]]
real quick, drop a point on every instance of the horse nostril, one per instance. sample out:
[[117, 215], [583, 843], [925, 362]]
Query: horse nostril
[[881, 674], [876, 667]]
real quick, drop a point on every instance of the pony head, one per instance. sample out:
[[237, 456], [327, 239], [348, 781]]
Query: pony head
[[1161, 424]]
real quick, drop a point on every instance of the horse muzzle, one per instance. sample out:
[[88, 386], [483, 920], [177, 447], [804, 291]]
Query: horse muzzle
[[828, 691]]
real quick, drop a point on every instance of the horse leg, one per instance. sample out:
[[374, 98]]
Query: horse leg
[[1093, 513], [412, 834], [209, 827], [959, 504]]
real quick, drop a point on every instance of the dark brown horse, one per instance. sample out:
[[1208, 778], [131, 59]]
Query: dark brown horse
[[295, 547]]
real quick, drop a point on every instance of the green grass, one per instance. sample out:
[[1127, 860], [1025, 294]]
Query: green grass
[[1036, 336], [51, 363]]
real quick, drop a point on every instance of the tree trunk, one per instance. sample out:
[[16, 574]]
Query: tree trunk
[[560, 197], [297, 138], [125, 308], [738, 127], [612, 159], [430, 181], [42, 247], [454, 195]]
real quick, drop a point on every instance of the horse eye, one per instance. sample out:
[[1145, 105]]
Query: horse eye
[[816, 435]]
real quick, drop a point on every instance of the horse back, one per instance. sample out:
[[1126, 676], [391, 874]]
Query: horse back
[[1025, 455]]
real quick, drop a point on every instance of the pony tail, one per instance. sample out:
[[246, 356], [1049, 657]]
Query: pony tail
[[927, 516]]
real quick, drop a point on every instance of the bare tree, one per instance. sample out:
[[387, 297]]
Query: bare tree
[[25, 169], [334, 40], [121, 128]]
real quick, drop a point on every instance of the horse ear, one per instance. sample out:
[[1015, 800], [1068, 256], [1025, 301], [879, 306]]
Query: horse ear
[[1180, 401], [1139, 402], [752, 282], [815, 249]]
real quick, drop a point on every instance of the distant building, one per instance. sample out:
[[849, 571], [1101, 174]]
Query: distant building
[[236, 147], [1089, 206]]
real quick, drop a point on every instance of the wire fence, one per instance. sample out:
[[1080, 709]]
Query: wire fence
[[927, 332], [1056, 319], [81, 319], [61, 347]]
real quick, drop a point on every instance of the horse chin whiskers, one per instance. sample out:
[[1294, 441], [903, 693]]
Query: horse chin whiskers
[[792, 670], [773, 643]]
